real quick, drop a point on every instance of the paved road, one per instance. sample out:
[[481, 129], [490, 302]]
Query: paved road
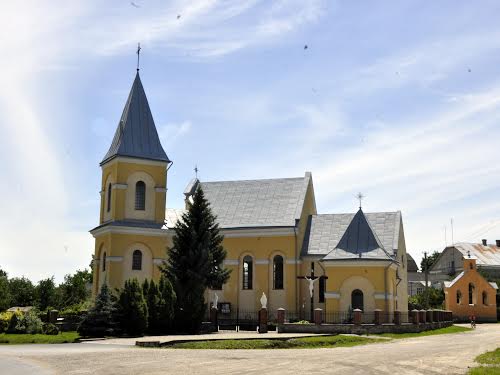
[[441, 354]]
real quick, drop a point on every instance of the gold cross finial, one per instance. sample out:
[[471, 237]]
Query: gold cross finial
[[360, 198]]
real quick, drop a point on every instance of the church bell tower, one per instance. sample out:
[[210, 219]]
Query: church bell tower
[[129, 240]]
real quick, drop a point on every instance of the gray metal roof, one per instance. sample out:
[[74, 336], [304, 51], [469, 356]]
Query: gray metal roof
[[324, 232], [254, 203], [486, 255], [146, 224], [411, 265], [136, 134]]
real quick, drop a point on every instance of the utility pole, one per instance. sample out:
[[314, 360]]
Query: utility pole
[[426, 280]]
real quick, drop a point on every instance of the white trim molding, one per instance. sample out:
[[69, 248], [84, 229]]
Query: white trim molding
[[158, 261], [293, 261], [261, 261], [335, 295], [119, 186], [381, 295], [128, 230], [128, 159], [231, 262], [161, 189], [359, 263], [114, 259], [257, 232]]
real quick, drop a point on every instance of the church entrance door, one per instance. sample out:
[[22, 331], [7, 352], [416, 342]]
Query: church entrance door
[[357, 299]]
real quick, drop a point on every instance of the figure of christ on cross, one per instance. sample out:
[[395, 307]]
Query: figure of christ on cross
[[311, 279]]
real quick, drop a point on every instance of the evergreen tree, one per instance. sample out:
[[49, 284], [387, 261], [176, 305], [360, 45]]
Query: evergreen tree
[[4, 293], [167, 305], [46, 294], [145, 287], [133, 309], [22, 291], [195, 262], [101, 321], [153, 298]]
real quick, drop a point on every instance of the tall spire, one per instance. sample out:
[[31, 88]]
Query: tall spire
[[136, 134]]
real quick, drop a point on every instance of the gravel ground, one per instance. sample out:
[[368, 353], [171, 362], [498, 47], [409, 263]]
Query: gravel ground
[[440, 354]]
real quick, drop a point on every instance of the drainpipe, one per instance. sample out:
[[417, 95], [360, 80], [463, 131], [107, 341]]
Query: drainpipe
[[296, 271], [385, 286]]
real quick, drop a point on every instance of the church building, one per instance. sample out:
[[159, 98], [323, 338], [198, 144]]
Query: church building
[[276, 241]]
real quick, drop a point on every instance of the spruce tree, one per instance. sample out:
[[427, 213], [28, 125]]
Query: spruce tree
[[133, 309], [101, 321], [167, 305], [195, 262], [153, 299]]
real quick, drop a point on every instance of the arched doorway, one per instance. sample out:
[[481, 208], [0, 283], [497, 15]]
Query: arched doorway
[[357, 299]]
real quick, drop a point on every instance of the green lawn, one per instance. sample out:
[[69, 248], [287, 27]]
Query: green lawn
[[63, 337], [440, 331], [491, 362], [306, 342]]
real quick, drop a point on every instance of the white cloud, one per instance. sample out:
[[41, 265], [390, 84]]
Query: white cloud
[[171, 133]]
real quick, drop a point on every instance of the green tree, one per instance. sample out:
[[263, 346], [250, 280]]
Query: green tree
[[46, 294], [22, 291], [3, 273], [133, 309], [4, 293], [195, 262], [101, 320], [153, 299], [167, 305], [418, 301], [431, 259], [75, 288]]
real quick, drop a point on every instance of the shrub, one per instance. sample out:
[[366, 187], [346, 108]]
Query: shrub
[[29, 323], [4, 321], [50, 329], [133, 309], [13, 322], [167, 304], [100, 321]]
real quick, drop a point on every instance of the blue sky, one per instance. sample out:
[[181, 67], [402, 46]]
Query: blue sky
[[398, 100]]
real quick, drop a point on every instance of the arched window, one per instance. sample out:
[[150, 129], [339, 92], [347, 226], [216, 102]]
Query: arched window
[[357, 299], [104, 262], [472, 297], [278, 272], [247, 272], [485, 298], [137, 260], [140, 196], [109, 198], [459, 297]]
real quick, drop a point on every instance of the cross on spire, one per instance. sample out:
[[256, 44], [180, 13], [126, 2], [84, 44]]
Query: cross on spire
[[360, 197], [138, 54], [196, 171]]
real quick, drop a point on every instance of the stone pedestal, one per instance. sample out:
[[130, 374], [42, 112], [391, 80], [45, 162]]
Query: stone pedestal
[[397, 318], [213, 317], [52, 316], [422, 316], [357, 316], [263, 321], [378, 316], [428, 314], [318, 316], [281, 315], [414, 316]]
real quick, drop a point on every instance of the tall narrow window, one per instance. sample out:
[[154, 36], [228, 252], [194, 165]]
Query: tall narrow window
[[278, 272], [322, 287], [137, 260], [104, 262], [140, 196], [247, 272], [485, 298], [109, 197], [459, 297], [472, 298]]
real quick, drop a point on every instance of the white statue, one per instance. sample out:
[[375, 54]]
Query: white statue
[[263, 301], [215, 301], [311, 285]]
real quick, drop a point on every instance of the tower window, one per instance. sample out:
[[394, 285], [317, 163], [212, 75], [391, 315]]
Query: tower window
[[459, 297], [485, 298], [278, 272], [109, 198], [104, 262], [247, 272], [137, 260], [472, 296], [140, 196]]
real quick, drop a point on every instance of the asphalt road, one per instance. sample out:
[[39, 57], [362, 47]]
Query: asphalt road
[[440, 354]]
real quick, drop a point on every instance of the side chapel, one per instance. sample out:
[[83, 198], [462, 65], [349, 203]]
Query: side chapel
[[273, 232]]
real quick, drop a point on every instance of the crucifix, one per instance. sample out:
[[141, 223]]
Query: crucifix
[[311, 279], [138, 54], [360, 198], [196, 171]]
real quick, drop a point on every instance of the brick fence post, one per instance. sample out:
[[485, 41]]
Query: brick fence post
[[414, 316], [214, 318], [435, 316], [428, 314], [378, 316], [422, 316], [263, 320], [357, 316], [281, 315], [397, 318], [318, 316]]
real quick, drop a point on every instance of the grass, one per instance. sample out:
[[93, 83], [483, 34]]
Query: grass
[[300, 343], [439, 331], [63, 337], [491, 360]]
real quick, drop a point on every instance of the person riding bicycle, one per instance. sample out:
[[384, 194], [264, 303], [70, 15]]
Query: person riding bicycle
[[472, 321]]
